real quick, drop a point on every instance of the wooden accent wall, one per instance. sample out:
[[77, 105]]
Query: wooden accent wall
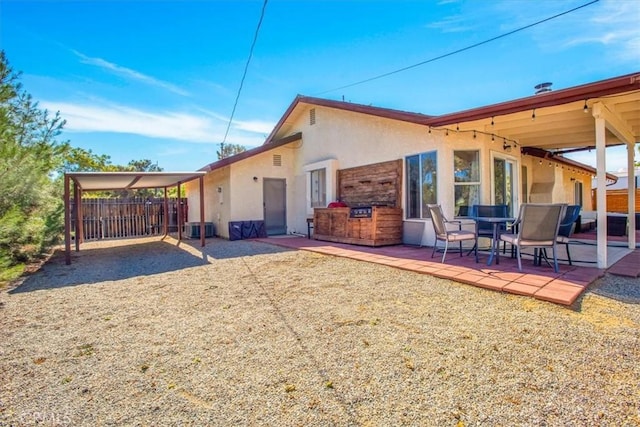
[[375, 184], [617, 201]]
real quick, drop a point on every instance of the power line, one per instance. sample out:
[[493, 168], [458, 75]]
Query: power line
[[459, 50], [246, 67]]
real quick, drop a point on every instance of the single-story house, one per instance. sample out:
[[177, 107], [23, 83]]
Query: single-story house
[[508, 153]]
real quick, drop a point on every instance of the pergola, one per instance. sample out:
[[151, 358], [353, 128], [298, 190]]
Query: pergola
[[104, 181], [588, 117]]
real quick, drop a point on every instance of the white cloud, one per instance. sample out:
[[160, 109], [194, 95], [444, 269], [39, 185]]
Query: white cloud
[[612, 23], [255, 126], [451, 24], [166, 125], [130, 74]]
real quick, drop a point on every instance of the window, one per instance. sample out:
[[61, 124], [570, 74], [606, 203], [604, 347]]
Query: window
[[422, 183], [318, 188], [466, 173], [577, 193]]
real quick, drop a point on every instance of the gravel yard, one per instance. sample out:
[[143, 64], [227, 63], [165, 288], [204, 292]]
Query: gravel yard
[[143, 332]]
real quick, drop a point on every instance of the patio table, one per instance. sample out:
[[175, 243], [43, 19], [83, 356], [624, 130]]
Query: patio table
[[495, 221]]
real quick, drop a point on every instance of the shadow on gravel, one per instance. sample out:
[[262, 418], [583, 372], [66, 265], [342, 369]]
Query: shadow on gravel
[[623, 289], [134, 259]]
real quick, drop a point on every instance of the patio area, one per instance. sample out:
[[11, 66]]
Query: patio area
[[539, 282]]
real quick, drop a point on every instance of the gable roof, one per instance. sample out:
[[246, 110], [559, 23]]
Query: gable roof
[[250, 153], [513, 114], [403, 116]]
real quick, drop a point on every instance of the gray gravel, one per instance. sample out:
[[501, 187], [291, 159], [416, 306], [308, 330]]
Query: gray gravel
[[143, 332]]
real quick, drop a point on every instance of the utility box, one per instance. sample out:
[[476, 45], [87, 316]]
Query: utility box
[[192, 229]]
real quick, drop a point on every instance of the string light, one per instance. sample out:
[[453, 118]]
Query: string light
[[533, 115], [474, 133], [585, 108], [492, 121]]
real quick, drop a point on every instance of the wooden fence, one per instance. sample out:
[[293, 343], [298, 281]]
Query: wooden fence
[[617, 200], [118, 218]]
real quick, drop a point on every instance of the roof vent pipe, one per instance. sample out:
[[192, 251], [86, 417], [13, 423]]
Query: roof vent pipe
[[543, 87]]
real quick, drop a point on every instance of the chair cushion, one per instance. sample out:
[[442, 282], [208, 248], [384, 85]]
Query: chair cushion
[[454, 236], [513, 239]]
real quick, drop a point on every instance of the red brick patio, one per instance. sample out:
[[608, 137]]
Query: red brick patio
[[539, 282]]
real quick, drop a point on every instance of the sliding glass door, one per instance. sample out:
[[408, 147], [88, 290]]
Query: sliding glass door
[[504, 183]]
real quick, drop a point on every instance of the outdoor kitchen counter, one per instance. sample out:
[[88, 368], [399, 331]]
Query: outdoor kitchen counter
[[368, 226]]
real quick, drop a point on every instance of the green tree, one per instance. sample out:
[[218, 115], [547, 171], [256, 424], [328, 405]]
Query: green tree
[[31, 206], [144, 165], [77, 159], [228, 150]]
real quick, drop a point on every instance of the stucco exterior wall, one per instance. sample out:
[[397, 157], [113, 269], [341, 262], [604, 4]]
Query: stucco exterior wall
[[247, 198], [347, 139], [338, 139], [216, 200]]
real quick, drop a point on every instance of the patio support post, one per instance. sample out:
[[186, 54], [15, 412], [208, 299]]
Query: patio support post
[[179, 205], [76, 202], [601, 193], [67, 222], [165, 217], [631, 191], [80, 225], [202, 230]]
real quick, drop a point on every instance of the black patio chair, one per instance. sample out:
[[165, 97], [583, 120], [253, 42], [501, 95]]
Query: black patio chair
[[567, 227], [485, 229]]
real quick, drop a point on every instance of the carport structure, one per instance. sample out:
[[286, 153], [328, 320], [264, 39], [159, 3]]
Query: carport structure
[[106, 181]]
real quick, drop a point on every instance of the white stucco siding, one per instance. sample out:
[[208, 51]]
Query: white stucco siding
[[351, 139], [216, 195], [247, 198], [357, 139]]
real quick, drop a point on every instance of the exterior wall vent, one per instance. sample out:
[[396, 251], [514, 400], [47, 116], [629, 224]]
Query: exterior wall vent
[[277, 160], [312, 116]]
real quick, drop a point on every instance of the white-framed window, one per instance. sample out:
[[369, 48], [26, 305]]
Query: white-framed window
[[422, 183], [466, 174], [320, 178], [318, 188]]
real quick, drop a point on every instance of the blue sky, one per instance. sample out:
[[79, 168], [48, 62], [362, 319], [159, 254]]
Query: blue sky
[[158, 79]]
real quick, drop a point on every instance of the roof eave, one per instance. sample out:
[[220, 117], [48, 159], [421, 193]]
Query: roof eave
[[585, 92], [250, 153]]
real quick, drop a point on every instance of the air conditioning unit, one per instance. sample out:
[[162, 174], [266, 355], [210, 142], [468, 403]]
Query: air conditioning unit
[[192, 229]]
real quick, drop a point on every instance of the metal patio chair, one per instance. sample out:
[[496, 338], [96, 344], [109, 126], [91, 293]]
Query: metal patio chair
[[537, 226], [445, 235], [567, 226]]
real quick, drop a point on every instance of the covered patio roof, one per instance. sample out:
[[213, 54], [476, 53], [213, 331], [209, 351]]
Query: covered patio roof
[[104, 181], [562, 119], [588, 117]]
